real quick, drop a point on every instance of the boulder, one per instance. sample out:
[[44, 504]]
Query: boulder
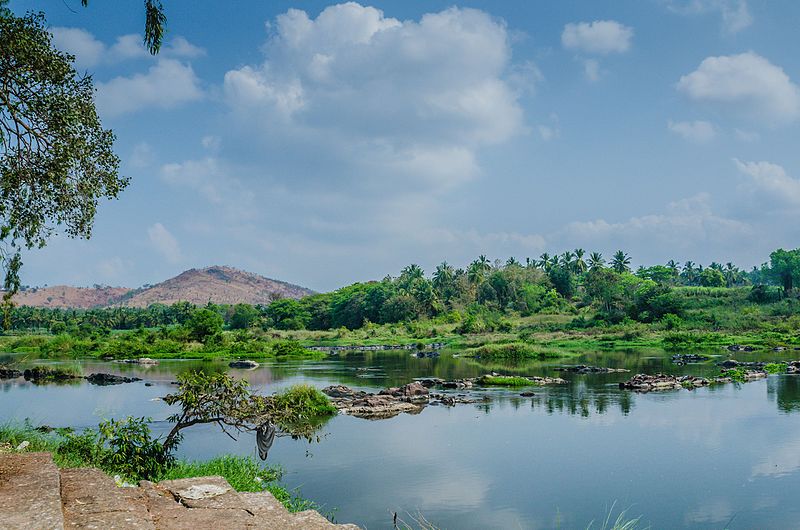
[[246, 364], [103, 379]]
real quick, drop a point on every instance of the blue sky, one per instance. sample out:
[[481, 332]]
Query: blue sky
[[327, 143]]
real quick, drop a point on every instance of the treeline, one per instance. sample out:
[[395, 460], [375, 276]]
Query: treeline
[[471, 296]]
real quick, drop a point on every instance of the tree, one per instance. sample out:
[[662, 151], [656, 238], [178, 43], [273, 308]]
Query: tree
[[244, 316], [203, 324], [712, 277], [596, 261], [56, 160], [155, 23], [785, 268], [621, 262]]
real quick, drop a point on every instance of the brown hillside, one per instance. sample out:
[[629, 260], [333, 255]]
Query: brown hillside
[[64, 296], [219, 284]]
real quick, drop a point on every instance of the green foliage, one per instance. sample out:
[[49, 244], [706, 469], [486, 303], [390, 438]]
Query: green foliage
[[288, 348], [243, 316], [129, 449], [243, 473], [204, 323], [303, 402], [712, 278], [56, 160], [775, 368], [508, 351], [504, 380], [738, 375]]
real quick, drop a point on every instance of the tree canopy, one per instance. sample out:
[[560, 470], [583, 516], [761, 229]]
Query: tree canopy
[[56, 159]]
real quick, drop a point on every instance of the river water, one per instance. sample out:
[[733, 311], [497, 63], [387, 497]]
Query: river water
[[723, 457]]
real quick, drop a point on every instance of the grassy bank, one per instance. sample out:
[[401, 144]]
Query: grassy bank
[[71, 450]]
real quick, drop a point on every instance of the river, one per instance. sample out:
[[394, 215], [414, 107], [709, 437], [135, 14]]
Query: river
[[721, 457]]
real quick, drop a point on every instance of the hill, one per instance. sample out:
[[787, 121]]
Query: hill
[[66, 296], [219, 284]]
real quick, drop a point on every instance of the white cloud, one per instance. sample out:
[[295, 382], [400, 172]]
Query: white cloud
[[746, 81], [90, 52], [772, 182], [166, 84], [142, 155], [685, 225], [165, 243], [87, 50], [698, 131], [214, 181], [381, 99], [598, 37], [746, 136], [735, 13], [591, 67]]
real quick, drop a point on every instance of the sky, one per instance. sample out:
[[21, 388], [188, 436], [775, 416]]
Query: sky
[[324, 144]]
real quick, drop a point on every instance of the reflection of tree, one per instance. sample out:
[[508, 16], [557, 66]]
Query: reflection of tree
[[786, 388], [580, 398]]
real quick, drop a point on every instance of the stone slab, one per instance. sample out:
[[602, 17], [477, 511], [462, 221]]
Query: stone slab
[[29, 492]]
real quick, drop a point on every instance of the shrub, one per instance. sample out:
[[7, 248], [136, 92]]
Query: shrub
[[288, 348]]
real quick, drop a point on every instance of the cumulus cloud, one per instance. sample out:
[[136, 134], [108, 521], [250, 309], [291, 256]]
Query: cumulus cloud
[[90, 51], [698, 131], [771, 182], [165, 85], [684, 225], [165, 243], [384, 99], [735, 13], [746, 81], [599, 37]]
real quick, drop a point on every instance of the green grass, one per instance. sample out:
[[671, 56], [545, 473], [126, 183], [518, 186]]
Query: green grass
[[775, 368], [304, 401], [509, 351], [505, 380], [242, 473]]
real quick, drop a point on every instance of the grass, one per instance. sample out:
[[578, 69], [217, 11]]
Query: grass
[[505, 380], [775, 368], [242, 473], [305, 401], [509, 351]]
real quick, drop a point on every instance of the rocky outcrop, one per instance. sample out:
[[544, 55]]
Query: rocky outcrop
[[584, 369], [376, 406], [35, 495], [102, 379], [379, 347], [685, 358], [247, 364], [739, 347], [661, 382], [145, 361], [9, 373]]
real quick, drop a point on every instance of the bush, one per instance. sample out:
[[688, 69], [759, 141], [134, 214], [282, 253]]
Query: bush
[[288, 348], [304, 401]]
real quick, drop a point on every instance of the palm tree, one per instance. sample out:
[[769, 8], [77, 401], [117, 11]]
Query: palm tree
[[544, 261], [579, 265], [596, 261], [478, 269], [443, 277], [511, 262], [566, 259], [621, 262]]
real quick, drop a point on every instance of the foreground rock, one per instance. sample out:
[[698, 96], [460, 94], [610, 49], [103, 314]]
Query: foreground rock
[[584, 369], [35, 495]]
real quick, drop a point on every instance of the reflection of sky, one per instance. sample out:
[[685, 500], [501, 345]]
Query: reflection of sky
[[680, 459]]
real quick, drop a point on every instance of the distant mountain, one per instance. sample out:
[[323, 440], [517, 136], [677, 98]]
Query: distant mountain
[[65, 296], [218, 284]]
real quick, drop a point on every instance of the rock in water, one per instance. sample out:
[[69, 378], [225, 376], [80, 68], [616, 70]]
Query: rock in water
[[243, 364]]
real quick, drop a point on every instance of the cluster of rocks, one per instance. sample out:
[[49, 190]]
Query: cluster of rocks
[[103, 379], [42, 375], [9, 373], [145, 361], [739, 347], [378, 347], [386, 404], [685, 358], [661, 382], [584, 369]]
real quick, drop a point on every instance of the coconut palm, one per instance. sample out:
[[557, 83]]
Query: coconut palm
[[596, 261], [579, 265], [621, 262]]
